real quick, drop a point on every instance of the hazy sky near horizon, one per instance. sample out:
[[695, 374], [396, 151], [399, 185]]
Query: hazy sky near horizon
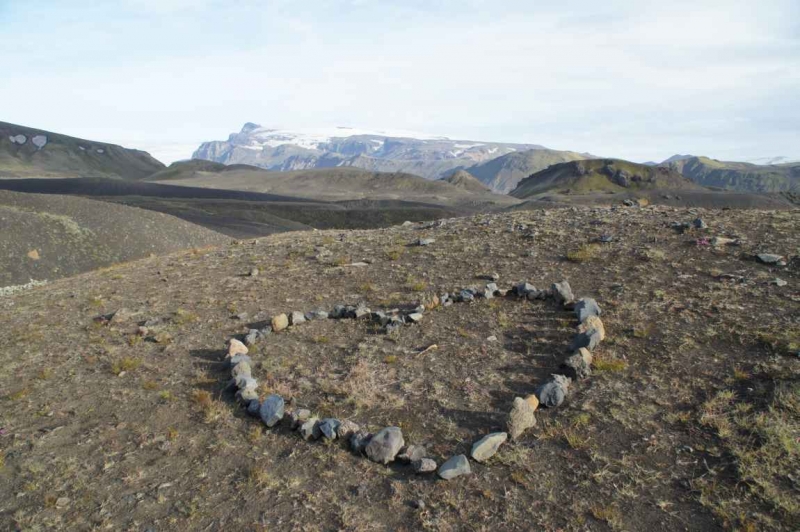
[[635, 79]]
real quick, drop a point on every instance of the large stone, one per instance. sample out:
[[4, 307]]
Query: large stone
[[280, 322], [455, 467], [577, 367], [563, 292], [328, 428], [238, 359], [310, 429], [252, 337], [553, 392], [532, 401], [521, 418], [235, 347], [246, 396], [297, 317], [588, 339], [271, 411], [424, 465], [523, 289], [385, 445], [244, 382], [587, 307], [487, 446], [769, 258], [298, 417]]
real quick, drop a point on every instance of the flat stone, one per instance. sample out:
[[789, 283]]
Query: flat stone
[[425, 241], [412, 453], [359, 441], [520, 418], [414, 317], [280, 322], [328, 428], [346, 429], [362, 313], [235, 347], [779, 282], [385, 445], [718, 241], [271, 411], [455, 467], [587, 307], [310, 429], [424, 465], [297, 317], [487, 446], [769, 258]]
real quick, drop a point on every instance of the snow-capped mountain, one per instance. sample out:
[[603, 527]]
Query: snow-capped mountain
[[387, 151]]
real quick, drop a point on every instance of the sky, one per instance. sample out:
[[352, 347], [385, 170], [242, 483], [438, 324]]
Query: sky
[[635, 79]]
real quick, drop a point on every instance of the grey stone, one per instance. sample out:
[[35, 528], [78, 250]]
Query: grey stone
[[521, 417], [455, 467], [577, 366], [338, 312], [362, 313], [246, 396], [242, 369], [252, 337], [425, 241], [394, 325], [385, 445], [563, 292], [769, 258], [309, 430], [236, 359], [346, 429], [298, 417], [412, 453], [552, 393], [328, 428], [589, 339], [487, 446], [779, 282], [606, 239], [699, 223], [586, 307], [254, 272], [522, 289], [253, 408], [271, 411], [415, 317], [244, 382], [297, 317], [466, 296], [359, 441], [424, 465], [380, 318]]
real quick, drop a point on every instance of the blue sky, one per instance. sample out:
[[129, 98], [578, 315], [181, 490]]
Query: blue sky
[[634, 79]]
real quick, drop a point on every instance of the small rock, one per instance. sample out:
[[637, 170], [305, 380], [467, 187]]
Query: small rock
[[577, 367], [280, 322], [606, 239], [425, 241], [719, 241], [316, 315], [466, 296], [235, 347], [242, 316], [359, 441], [521, 418], [455, 467], [385, 445], [338, 312], [779, 282], [244, 382], [271, 411], [246, 396], [362, 313], [328, 427], [487, 446], [589, 339], [532, 401], [298, 417], [586, 307], [494, 276], [254, 272], [553, 392], [252, 337], [699, 223], [253, 408], [523, 289], [491, 338], [769, 258], [394, 325], [412, 453], [346, 429], [563, 292], [238, 359], [296, 318], [310, 429], [593, 323], [424, 465]]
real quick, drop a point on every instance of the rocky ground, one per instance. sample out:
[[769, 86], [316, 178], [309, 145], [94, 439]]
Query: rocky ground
[[689, 421]]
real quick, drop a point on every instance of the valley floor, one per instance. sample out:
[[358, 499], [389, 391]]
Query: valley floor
[[690, 420]]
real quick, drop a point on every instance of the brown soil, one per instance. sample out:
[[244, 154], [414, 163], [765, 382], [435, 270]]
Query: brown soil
[[104, 430]]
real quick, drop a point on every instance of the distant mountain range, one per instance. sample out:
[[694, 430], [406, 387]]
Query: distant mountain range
[[743, 177], [30, 152]]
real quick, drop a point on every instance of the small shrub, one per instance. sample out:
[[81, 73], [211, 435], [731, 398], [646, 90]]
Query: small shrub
[[609, 365], [183, 317], [394, 253], [212, 410], [585, 253], [125, 364], [150, 385]]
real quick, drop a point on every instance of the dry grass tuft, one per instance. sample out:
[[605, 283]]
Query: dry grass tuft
[[125, 364], [585, 253]]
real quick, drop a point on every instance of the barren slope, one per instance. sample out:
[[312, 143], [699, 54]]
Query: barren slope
[[689, 421]]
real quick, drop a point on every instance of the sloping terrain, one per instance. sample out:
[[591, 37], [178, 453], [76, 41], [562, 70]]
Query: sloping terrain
[[237, 213], [331, 184], [743, 177], [601, 176], [504, 173], [46, 237], [465, 180], [285, 150], [30, 152], [690, 420]]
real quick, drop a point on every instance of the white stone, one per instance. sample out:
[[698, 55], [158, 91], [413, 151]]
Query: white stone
[[39, 141]]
